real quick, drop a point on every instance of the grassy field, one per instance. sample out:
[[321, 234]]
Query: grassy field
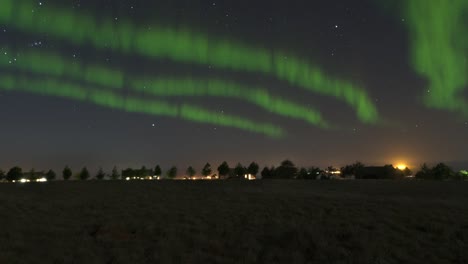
[[234, 222]]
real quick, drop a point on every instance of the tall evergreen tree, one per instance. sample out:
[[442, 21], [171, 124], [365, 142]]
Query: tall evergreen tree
[[253, 169], [84, 174], [190, 172], [223, 169], [66, 173], [157, 171], [206, 171], [115, 174], [239, 170], [172, 172], [100, 174]]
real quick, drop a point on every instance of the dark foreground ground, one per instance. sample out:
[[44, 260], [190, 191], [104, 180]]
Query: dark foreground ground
[[234, 222]]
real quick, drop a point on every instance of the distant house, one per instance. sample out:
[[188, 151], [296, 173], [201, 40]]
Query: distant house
[[250, 177], [330, 174], [232, 175]]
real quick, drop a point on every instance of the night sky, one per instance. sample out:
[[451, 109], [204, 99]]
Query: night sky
[[136, 82]]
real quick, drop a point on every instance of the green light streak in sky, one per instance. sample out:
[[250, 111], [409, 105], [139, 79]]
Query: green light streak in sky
[[182, 45], [439, 36], [53, 87], [213, 87], [55, 65]]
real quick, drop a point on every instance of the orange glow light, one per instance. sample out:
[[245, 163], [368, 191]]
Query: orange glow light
[[401, 166]]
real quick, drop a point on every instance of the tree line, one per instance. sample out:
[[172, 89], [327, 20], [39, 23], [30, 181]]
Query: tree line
[[286, 170]]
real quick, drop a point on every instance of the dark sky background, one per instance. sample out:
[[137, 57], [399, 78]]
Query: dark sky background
[[359, 41]]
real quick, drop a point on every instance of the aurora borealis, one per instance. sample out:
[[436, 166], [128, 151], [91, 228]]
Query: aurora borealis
[[317, 82], [439, 36]]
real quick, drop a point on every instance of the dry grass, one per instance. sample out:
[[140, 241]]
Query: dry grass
[[234, 222]]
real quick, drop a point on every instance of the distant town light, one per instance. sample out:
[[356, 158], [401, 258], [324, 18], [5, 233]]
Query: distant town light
[[401, 166], [41, 180]]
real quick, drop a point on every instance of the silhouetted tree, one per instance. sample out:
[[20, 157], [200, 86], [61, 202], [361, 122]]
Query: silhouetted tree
[[313, 173], [287, 170], [302, 174], [239, 170], [206, 171], [268, 173], [157, 171], [190, 172], [253, 169], [223, 169], [100, 174], [50, 175], [32, 175], [393, 173], [352, 169], [128, 173], [14, 174], [142, 172], [84, 174], [2, 175], [66, 173], [442, 172], [424, 173], [115, 174], [172, 172], [439, 172], [407, 172]]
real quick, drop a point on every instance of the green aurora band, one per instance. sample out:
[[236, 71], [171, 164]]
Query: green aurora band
[[213, 87], [439, 35], [56, 66], [53, 87], [181, 45]]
